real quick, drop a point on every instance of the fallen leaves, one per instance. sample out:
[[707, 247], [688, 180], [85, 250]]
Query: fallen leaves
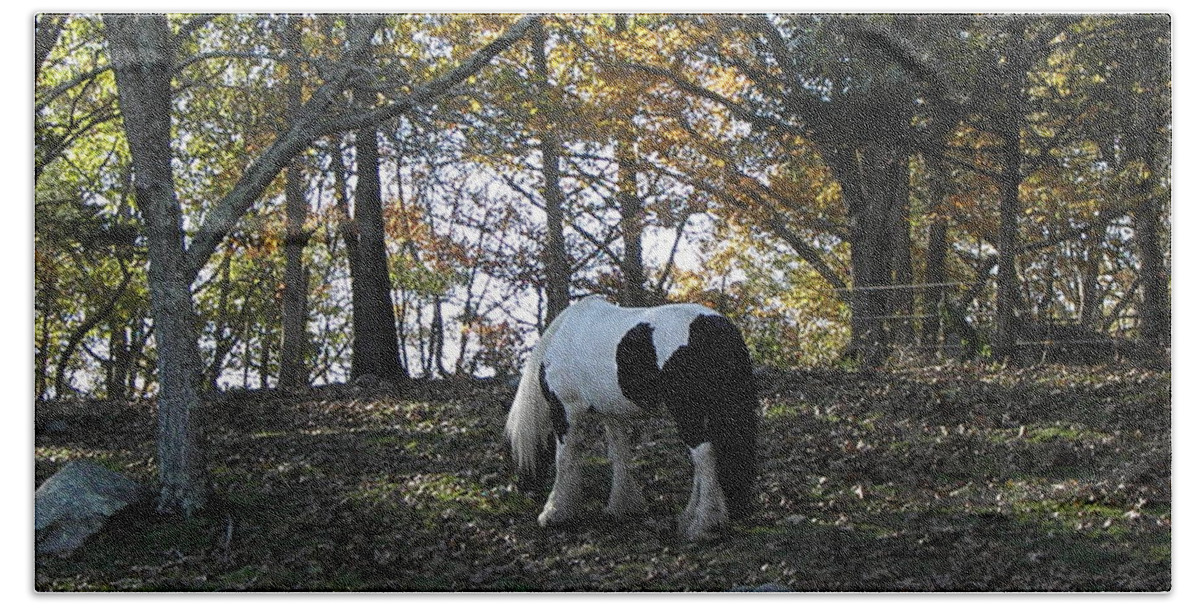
[[954, 478]]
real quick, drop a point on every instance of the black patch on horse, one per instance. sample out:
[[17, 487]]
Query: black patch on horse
[[708, 386], [637, 367], [558, 411]]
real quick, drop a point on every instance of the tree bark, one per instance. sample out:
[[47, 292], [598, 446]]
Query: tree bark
[[437, 340], [633, 214], [1155, 310], [142, 54], [1089, 279], [376, 347], [41, 375], [85, 327], [293, 369], [1012, 118], [936, 249], [1007, 241], [116, 377], [224, 334], [554, 253], [633, 221], [870, 177], [903, 297]]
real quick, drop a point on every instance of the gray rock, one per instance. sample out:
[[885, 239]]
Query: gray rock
[[76, 502], [51, 427]]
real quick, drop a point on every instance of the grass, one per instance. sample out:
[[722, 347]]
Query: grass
[[955, 478]]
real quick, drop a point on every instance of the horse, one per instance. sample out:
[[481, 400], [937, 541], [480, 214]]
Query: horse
[[600, 360]]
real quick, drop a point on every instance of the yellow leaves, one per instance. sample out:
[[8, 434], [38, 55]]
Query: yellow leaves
[[726, 81], [830, 194]]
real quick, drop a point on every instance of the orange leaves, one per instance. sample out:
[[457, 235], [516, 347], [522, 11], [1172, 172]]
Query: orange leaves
[[440, 256]]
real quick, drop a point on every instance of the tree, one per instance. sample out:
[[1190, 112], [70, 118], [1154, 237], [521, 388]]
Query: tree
[[554, 256], [293, 371], [376, 349], [1018, 165], [858, 116], [1145, 89], [1015, 62], [142, 53], [629, 203]]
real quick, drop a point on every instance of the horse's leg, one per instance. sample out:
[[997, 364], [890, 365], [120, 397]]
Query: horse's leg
[[625, 498], [564, 501], [706, 510], [689, 512]]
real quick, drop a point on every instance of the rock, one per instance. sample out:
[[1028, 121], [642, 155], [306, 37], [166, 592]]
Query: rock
[[51, 427], [76, 502]]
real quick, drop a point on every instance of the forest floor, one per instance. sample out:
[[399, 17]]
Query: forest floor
[[964, 478]]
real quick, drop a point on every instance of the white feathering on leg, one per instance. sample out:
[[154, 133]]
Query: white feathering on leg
[[564, 500], [706, 511], [625, 498]]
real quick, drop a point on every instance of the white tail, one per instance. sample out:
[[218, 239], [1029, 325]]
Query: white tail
[[528, 427]]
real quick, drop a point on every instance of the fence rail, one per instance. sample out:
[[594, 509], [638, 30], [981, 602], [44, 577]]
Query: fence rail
[[908, 286]]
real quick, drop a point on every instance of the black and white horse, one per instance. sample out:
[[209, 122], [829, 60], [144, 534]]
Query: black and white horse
[[598, 360]]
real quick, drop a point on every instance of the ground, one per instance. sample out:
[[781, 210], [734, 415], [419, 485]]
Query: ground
[[965, 478]]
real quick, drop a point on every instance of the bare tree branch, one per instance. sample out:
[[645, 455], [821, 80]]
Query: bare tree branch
[[310, 125]]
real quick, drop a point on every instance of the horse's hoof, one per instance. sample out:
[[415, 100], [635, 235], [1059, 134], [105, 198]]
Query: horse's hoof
[[700, 529], [553, 519], [698, 535]]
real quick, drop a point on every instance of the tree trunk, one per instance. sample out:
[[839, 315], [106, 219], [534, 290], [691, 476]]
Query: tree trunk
[[142, 54], [293, 370], [554, 254], [138, 335], [264, 357], [870, 178], [85, 327], [1155, 309], [437, 339], [116, 378], [633, 220], [633, 274], [1089, 279], [224, 334], [1007, 289], [935, 256], [903, 296], [1012, 118], [42, 359], [376, 347]]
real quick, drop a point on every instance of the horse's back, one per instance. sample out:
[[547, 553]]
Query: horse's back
[[599, 344]]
